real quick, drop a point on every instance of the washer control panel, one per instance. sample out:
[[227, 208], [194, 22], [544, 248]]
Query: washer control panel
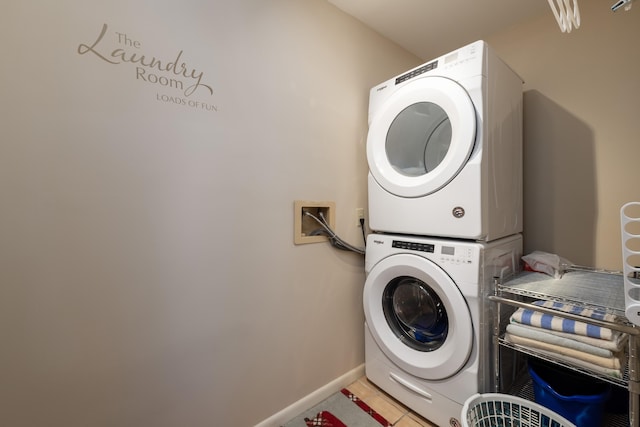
[[446, 254], [413, 246], [456, 255]]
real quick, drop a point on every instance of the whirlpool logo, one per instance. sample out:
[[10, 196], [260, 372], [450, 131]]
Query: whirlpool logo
[[378, 242]]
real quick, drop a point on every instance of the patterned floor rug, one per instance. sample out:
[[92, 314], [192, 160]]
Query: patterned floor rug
[[342, 409]]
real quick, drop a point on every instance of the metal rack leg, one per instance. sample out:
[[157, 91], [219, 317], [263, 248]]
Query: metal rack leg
[[496, 341], [496, 364], [634, 382]]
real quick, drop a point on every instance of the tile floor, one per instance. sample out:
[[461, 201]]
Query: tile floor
[[392, 410]]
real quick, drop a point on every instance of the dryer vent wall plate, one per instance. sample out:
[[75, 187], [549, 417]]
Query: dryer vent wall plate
[[305, 225]]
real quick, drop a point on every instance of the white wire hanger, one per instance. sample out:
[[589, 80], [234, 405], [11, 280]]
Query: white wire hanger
[[566, 13], [620, 3]]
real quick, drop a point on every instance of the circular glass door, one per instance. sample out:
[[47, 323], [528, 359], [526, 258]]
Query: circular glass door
[[415, 313], [421, 137], [418, 139], [417, 316]]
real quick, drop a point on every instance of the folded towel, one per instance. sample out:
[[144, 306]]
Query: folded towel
[[542, 335], [557, 323], [605, 362], [616, 344], [614, 368], [580, 311]]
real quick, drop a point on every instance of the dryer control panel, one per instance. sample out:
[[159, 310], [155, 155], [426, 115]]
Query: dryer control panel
[[417, 71]]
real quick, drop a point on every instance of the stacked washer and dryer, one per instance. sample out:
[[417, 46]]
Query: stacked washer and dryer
[[445, 206]]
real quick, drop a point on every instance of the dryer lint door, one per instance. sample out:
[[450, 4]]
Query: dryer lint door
[[418, 317], [421, 137]]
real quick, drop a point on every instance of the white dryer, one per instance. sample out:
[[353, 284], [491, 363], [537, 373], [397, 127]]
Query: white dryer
[[427, 322], [445, 148]]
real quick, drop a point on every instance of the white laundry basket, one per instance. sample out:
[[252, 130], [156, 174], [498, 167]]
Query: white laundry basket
[[503, 410]]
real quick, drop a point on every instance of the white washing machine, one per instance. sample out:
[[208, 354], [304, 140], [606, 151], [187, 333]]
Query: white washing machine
[[427, 329], [445, 148]]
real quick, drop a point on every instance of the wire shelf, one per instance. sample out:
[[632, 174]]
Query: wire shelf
[[583, 287], [604, 290], [622, 382]]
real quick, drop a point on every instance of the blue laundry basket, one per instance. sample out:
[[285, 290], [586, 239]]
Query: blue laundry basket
[[577, 397]]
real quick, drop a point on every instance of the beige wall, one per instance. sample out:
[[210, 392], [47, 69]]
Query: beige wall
[[147, 264], [582, 129], [147, 268]]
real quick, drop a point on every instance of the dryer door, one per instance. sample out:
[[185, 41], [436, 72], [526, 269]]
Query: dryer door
[[418, 316], [421, 137]]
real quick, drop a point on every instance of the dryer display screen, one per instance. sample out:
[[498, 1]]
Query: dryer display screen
[[422, 247]]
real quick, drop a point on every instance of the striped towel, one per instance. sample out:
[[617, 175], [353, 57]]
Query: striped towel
[[556, 323], [580, 311]]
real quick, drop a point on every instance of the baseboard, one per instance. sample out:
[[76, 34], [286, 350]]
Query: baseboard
[[313, 398]]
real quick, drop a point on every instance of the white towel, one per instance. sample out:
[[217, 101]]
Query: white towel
[[605, 362], [615, 345], [542, 335], [614, 368]]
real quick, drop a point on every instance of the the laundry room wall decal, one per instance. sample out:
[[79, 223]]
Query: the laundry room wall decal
[[172, 73]]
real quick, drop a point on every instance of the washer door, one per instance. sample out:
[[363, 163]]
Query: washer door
[[418, 317], [421, 137]]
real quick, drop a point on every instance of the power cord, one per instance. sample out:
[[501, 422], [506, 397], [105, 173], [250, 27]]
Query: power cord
[[334, 239]]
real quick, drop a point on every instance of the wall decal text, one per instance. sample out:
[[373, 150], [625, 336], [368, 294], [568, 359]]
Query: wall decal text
[[174, 73]]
